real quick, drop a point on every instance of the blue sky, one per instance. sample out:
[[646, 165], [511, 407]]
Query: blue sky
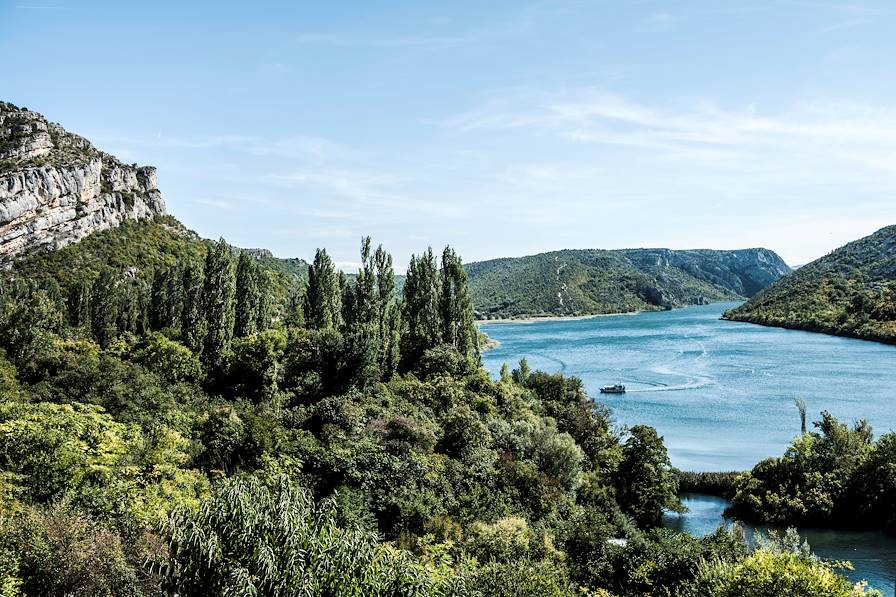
[[503, 128]]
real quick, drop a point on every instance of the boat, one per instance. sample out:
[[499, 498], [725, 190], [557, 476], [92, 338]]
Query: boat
[[614, 389]]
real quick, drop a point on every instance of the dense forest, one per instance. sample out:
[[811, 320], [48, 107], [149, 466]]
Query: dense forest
[[182, 418], [850, 292], [584, 282]]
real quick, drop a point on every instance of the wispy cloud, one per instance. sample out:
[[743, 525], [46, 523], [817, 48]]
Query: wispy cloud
[[366, 189], [700, 129], [848, 24]]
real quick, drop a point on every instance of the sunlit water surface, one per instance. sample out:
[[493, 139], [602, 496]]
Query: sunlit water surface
[[721, 393]]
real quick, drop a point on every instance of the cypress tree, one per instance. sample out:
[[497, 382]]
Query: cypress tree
[[323, 298], [192, 322], [371, 312], [248, 298], [218, 292]]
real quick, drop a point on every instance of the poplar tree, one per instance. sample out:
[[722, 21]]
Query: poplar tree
[[79, 304], [389, 314], [295, 309], [218, 292], [192, 321], [323, 298], [263, 314], [104, 305], [248, 298], [166, 299], [371, 312], [420, 308], [133, 306], [458, 326]]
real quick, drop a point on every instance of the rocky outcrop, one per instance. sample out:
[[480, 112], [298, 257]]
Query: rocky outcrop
[[56, 188], [743, 272]]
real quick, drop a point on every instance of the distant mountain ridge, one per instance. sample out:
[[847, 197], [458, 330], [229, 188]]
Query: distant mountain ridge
[[56, 188], [849, 292], [594, 281]]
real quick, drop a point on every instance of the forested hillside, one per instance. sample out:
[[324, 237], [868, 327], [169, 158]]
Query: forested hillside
[[850, 292], [579, 282], [165, 435]]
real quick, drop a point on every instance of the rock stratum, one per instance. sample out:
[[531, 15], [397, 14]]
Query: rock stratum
[[57, 188], [592, 281]]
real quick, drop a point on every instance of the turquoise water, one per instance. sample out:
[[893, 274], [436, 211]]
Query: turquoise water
[[721, 393], [873, 554]]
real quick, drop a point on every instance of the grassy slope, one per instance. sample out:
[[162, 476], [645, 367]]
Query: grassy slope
[[146, 246], [850, 292]]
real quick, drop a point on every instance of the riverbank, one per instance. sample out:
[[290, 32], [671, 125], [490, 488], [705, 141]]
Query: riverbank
[[872, 553], [539, 318]]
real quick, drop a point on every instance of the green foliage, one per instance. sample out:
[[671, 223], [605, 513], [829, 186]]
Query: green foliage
[[779, 568], [708, 483], [62, 552], [577, 282], [836, 476], [646, 483], [367, 453], [52, 451], [323, 301], [218, 294], [849, 292], [420, 307], [253, 540]]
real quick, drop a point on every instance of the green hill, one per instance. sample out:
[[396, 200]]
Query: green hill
[[593, 281], [849, 292], [141, 248]]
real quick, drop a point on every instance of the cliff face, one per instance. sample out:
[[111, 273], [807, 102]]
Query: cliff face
[[56, 188], [743, 272]]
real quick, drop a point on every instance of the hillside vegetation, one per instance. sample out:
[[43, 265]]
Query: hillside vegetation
[[579, 282], [850, 292], [165, 436]]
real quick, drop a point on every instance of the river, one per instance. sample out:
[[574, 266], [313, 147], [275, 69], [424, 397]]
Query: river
[[722, 395], [720, 392]]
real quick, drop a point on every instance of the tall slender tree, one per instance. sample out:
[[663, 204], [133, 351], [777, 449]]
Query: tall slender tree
[[218, 291], [104, 306], [389, 316], [248, 296], [192, 321], [323, 298], [79, 304], [458, 327], [263, 314], [166, 299], [420, 308]]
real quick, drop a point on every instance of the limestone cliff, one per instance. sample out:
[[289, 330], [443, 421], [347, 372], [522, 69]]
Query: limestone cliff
[[56, 188]]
